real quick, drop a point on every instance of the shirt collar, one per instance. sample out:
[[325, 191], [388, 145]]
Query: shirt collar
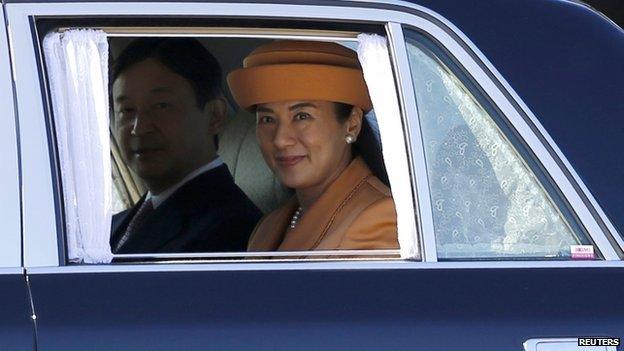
[[157, 200]]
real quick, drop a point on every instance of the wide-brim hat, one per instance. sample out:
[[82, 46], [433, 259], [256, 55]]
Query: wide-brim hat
[[288, 70]]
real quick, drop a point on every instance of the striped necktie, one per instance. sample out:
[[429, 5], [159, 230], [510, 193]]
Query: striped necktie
[[137, 223]]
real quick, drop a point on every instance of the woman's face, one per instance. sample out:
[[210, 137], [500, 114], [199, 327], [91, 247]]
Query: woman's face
[[303, 142]]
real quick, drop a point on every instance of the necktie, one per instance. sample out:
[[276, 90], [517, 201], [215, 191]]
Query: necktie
[[137, 222]]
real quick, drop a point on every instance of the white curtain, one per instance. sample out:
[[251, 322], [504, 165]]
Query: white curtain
[[77, 64], [375, 60]]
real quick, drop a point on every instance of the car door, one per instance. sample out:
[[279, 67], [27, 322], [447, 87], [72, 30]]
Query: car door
[[16, 329], [16, 323], [198, 302]]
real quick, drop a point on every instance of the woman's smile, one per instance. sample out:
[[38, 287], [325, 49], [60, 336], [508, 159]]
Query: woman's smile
[[289, 161], [303, 142]]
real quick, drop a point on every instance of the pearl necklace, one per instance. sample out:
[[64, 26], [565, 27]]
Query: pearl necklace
[[295, 217]]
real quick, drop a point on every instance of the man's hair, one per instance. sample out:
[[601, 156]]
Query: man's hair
[[186, 57]]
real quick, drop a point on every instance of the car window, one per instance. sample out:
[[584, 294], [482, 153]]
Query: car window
[[239, 156], [236, 144], [487, 201]]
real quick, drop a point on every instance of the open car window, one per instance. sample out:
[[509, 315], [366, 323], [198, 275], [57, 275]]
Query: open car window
[[237, 149]]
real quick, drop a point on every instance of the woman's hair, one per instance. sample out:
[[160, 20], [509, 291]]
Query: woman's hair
[[366, 144]]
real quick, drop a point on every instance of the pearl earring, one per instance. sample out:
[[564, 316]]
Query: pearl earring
[[350, 139]]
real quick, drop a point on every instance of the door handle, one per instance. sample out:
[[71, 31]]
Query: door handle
[[562, 344]]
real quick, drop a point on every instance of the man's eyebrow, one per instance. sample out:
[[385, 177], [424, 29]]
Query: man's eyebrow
[[161, 90], [303, 104], [263, 109]]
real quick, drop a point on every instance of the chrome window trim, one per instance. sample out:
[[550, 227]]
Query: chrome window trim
[[262, 254], [38, 205], [41, 233], [10, 176], [411, 123], [319, 266]]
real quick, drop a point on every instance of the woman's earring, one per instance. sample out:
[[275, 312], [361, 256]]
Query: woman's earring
[[350, 139]]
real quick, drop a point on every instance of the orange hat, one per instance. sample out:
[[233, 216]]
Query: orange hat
[[289, 70]]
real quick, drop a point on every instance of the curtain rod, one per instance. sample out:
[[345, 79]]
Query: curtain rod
[[225, 32]]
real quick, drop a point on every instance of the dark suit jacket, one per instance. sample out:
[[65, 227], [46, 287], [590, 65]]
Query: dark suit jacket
[[207, 214]]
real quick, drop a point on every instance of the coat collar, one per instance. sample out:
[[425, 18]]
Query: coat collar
[[317, 220]]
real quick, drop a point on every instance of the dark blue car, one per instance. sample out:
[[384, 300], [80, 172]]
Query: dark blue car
[[502, 126]]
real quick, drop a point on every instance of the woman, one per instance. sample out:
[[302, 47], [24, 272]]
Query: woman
[[309, 99]]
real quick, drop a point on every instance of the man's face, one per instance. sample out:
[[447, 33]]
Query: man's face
[[162, 132]]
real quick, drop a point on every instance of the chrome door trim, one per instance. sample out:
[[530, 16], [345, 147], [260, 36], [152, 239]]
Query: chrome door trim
[[10, 176], [38, 203], [326, 265], [40, 235], [12, 271], [532, 344]]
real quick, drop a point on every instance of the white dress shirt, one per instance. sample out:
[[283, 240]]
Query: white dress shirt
[[157, 200]]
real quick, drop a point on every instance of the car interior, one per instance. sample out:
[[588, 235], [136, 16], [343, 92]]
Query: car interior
[[237, 143], [238, 146]]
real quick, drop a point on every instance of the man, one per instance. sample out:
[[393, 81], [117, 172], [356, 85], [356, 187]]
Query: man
[[168, 110]]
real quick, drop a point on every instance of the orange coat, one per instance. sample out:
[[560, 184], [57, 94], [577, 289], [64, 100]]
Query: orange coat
[[355, 212]]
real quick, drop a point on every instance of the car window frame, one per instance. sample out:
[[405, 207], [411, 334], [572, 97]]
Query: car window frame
[[22, 16], [10, 177], [220, 33], [524, 154], [180, 257], [531, 132]]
